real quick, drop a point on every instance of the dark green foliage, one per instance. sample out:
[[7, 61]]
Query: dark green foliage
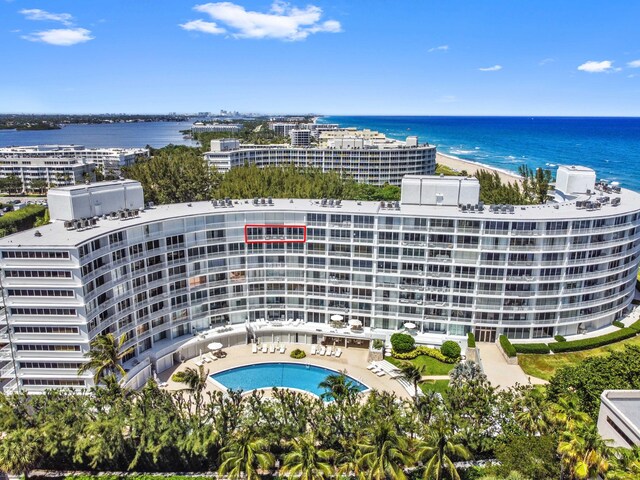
[[618, 324], [135, 476], [297, 353], [402, 343], [493, 191], [22, 219], [559, 338], [532, 456], [531, 347], [535, 185], [378, 344], [619, 370], [471, 340], [587, 343], [11, 184], [507, 347], [254, 131], [450, 349]]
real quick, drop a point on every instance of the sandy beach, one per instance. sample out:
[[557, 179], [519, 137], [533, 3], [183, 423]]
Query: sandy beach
[[472, 167]]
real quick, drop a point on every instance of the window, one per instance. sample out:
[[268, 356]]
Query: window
[[37, 255]]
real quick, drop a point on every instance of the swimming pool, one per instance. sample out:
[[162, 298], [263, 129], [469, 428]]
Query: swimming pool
[[282, 375]]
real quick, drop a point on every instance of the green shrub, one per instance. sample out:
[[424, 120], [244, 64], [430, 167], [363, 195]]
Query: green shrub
[[471, 340], [537, 348], [422, 350], [297, 353], [378, 344], [19, 220], [402, 343], [507, 347], [618, 324], [635, 326], [559, 338], [450, 349], [587, 343], [177, 377]]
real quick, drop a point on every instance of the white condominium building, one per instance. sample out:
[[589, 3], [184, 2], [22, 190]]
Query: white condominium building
[[200, 127], [64, 164], [265, 269], [374, 161]]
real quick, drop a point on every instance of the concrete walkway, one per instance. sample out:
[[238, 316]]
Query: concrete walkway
[[499, 372]]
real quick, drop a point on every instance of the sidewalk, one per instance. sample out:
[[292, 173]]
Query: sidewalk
[[499, 372]]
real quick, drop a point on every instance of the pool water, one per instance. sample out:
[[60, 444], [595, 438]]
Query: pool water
[[287, 375]]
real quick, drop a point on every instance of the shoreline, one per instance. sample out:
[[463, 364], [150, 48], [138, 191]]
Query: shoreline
[[472, 167]]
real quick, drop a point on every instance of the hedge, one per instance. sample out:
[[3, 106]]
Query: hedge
[[635, 326], [19, 220], [537, 348], [297, 353], [450, 349], [471, 340], [507, 347], [559, 338], [618, 324], [422, 350], [587, 343], [135, 476]]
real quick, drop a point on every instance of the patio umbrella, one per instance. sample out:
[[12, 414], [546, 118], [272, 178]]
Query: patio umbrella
[[410, 325], [355, 323], [337, 318], [215, 346]]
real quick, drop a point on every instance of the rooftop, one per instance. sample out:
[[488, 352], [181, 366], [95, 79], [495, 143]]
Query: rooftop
[[56, 235], [626, 402]]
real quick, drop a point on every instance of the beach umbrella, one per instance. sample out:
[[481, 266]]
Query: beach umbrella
[[355, 323], [337, 318], [215, 346], [410, 325]]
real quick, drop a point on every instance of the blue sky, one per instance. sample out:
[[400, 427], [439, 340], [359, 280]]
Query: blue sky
[[420, 57]]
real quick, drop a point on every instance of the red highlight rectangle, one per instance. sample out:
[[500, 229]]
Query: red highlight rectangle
[[271, 226]]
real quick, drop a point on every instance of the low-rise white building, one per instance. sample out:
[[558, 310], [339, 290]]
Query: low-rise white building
[[368, 158], [619, 417], [62, 165]]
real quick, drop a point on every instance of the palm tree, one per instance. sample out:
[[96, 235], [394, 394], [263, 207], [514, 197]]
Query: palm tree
[[567, 414], [306, 460], [385, 453], [20, 451], [244, 456], [437, 451], [339, 388], [584, 452], [105, 356], [196, 381], [412, 374], [532, 412]]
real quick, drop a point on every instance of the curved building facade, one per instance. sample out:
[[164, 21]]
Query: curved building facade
[[163, 276]]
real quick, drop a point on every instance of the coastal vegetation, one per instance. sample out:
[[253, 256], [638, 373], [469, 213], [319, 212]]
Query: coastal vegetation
[[22, 121], [252, 131], [525, 432]]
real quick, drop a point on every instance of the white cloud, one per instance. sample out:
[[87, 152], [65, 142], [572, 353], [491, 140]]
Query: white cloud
[[282, 22], [37, 14], [597, 67], [495, 68], [63, 37], [202, 26], [441, 48], [634, 64], [546, 61]]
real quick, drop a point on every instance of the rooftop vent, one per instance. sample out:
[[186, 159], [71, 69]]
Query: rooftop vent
[[37, 233]]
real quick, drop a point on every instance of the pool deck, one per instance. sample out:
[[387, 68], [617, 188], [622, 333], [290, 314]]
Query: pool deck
[[353, 360]]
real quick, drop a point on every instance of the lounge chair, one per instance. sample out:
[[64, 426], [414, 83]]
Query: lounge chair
[[283, 348], [206, 359], [338, 352], [272, 348], [329, 351], [265, 348], [372, 367], [380, 373], [322, 350], [254, 348], [314, 348], [199, 363]]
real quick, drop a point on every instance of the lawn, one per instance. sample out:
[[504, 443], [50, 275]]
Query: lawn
[[544, 366], [428, 365], [439, 386]]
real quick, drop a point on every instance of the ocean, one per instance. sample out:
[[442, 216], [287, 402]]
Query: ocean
[[156, 134], [611, 146]]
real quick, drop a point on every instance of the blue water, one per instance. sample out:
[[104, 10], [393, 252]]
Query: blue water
[[156, 134], [266, 375], [611, 146]]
